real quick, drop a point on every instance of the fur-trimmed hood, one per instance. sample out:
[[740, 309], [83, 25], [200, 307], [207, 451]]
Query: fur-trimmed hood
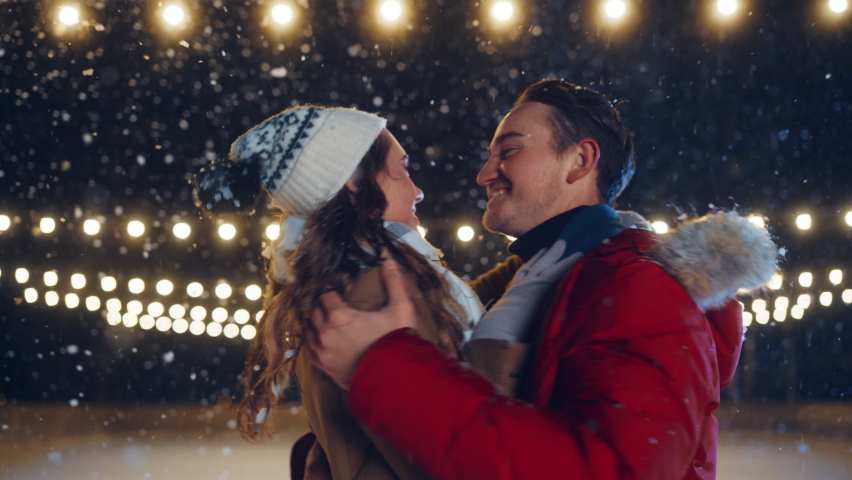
[[717, 255]]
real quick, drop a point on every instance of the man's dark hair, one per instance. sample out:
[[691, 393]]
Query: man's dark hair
[[578, 113]]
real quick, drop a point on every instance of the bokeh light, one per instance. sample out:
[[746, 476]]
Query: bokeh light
[[503, 10], [135, 307], [838, 6], [804, 300], [758, 305], [5, 223], [727, 7], [108, 284], [253, 292], [47, 225], [242, 316], [747, 319], [223, 291], [421, 231], [78, 281], [806, 279], [173, 15], [194, 290], [198, 313], [231, 330], [273, 231], [69, 15], [93, 303], [466, 233], [165, 287], [835, 276], [91, 227], [113, 305], [219, 315], [113, 318], [762, 317], [51, 299], [846, 296], [136, 285], [147, 322], [31, 295], [615, 8], [248, 332], [781, 303], [757, 220], [182, 230], [825, 299], [776, 282], [214, 329], [282, 14], [164, 324], [227, 231], [135, 228], [177, 311], [660, 226], [180, 325], [797, 312], [803, 221], [391, 10], [22, 275], [196, 327], [849, 218], [51, 278], [156, 309], [129, 320], [779, 315]]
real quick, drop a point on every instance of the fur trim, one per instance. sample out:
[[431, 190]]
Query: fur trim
[[716, 255]]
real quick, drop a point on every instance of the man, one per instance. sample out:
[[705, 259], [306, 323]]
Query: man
[[626, 361]]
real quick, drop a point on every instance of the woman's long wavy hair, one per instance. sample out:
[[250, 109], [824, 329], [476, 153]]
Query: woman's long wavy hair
[[341, 238]]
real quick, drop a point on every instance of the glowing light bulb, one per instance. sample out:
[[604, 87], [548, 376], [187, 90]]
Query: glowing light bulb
[[72, 300], [134, 307], [838, 6], [93, 303], [78, 281], [660, 227], [835, 277], [757, 220], [156, 309], [248, 332], [231, 330], [6, 222], [273, 232], [69, 15], [51, 299], [391, 10], [182, 230], [779, 315], [849, 218], [803, 221], [31, 295], [113, 305], [164, 324], [165, 287], [51, 278], [108, 284], [180, 325], [253, 292], [219, 315], [846, 296], [135, 228], [804, 300], [727, 7], [806, 279], [781, 303], [503, 10], [223, 291], [747, 318], [758, 305], [147, 322], [825, 299], [775, 282], [762, 317], [242, 316], [421, 231], [259, 315], [227, 231], [194, 290], [113, 318], [177, 311], [136, 285], [797, 312], [282, 14], [22, 275], [47, 225], [198, 313], [196, 328], [465, 233], [91, 227], [173, 15], [615, 8], [214, 329]]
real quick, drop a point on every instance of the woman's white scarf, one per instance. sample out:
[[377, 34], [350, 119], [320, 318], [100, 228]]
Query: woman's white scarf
[[291, 235]]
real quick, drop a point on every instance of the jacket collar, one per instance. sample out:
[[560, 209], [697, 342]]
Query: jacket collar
[[583, 228]]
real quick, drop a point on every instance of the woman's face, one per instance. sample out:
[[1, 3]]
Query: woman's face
[[400, 192]]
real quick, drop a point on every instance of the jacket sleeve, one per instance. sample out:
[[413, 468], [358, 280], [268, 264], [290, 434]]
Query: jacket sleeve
[[629, 397], [491, 285]]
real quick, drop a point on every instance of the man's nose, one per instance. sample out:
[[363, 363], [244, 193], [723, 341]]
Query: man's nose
[[419, 197], [488, 172]]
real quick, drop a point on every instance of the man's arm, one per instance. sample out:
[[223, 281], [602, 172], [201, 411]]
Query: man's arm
[[629, 401]]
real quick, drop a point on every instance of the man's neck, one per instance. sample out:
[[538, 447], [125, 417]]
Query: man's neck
[[582, 228]]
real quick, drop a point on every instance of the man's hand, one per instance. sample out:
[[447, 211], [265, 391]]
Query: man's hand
[[342, 335]]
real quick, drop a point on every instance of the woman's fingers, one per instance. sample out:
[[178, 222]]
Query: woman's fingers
[[328, 303], [394, 283]]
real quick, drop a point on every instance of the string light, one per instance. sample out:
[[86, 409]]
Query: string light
[[259, 315], [47, 225], [147, 322], [465, 233], [134, 307], [31, 295], [5, 223], [248, 332], [781, 303], [136, 285], [93, 303], [198, 313], [747, 319], [660, 226], [273, 231], [219, 315], [194, 290], [180, 325], [223, 291], [804, 300], [163, 324], [849, 218], [779, 315], [91, 227], [227, 231], [806, 279], [108, 284], [775, 282], [113, 305], [391, 10], [129, 320], [51, 299], [22, 275], [758, 305], [825, 299], [253, 292], [797, 312], [69, 15], [177, 311], [762, 317], [196, 327], [51, 278], [503, 10], [421, 231], [803, 221], [846, 296], [242, 316], [231, 330], [173, 15], [78, 281], [282, 14], [838, 6], [835, 277], [165, 287], [135, 228], [727, 7], [757, 220], [182, 230], [615, 9], [214, 329], [113, 318]]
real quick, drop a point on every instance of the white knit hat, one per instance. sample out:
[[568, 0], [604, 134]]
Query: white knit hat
[[306, 154]]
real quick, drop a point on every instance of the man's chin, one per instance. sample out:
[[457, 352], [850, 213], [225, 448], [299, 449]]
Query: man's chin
[[494, 224]]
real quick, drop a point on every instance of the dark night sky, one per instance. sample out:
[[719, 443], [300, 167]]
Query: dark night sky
[[112, 117]]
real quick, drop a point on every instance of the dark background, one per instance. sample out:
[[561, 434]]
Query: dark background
[[111, 118]]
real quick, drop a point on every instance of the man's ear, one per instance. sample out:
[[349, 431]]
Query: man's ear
[[587, 154]]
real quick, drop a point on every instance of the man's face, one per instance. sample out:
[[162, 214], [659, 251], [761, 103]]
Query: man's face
[[524, 176]]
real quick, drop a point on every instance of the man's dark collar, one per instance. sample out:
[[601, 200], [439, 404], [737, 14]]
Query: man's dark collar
[[583, 228]]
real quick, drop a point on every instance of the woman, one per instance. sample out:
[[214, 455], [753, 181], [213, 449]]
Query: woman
[[341, 179]]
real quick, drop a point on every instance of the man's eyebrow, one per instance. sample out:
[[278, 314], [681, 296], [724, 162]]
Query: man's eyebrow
[[502, 138]]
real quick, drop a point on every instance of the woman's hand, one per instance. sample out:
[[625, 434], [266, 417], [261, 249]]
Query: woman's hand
[[342, 335]]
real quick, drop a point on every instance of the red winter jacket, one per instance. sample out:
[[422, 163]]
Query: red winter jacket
[[624, 382]]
